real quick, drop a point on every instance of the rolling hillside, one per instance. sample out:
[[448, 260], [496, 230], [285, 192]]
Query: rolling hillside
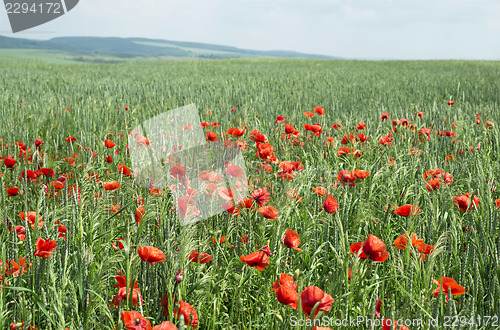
[[112, 49]]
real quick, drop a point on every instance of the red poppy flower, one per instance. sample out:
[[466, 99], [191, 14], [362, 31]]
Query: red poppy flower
[[316, 129], [222, 240], [122, 292], [20, 232], [372, 247], [212, 136], [259, 260], [166, 325], [319, 110], [177, 171], [58, 184], [123, 169], [151, 254], [229, 207], [291, 240], [384, 116], [17, 268], [115, 209], [235, 171], [261, 196], [112, 185], [356, 248], [268, 212], [361, 174], [190, 315], [280, 119], [32, 219], [287, 296], [119, 244], [404, 122], [61, 229], [361, 126], [386, 140], [348, 138], [337, 126], [44, 248], [433, 185], [311, 296], [434, 173], [38, 143], [451, 103], [70, 160], [201, 258], [13, 191], [330, 205], [489, 125], [135, 321], [258, 137], [320, 191], [155, 192], [446, 283], [408, 210], [47, 172], [402, 241], [346, 177], [70, 139], [138, 214], [264, 150], [309, 114], [285, 280], [463, 201], [109, 144], [9, 162], [425, 248], [237, 132], [375, 248], [187, 207], [29, 174], [121, 279]]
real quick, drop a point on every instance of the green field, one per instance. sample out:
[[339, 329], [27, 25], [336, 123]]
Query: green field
[[73, 288]]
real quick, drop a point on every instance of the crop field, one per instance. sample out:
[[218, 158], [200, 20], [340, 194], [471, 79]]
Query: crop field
[[372, 196]]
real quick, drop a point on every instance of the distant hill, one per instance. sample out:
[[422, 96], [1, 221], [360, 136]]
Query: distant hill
[[87, 48]]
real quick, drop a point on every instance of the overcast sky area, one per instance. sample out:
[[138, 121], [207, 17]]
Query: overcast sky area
[[359, 29]]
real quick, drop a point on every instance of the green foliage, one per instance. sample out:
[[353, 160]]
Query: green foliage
[[74, 287]]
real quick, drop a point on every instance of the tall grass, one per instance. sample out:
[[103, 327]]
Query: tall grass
[[74, 287]]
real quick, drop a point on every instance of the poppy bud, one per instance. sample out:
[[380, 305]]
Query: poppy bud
[[178, 278], [279, 317], [296, 275]]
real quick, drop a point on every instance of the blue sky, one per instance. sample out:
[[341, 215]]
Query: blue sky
[[362, 29]]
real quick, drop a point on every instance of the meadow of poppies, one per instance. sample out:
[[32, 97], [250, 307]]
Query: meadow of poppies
[[371, 192]]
